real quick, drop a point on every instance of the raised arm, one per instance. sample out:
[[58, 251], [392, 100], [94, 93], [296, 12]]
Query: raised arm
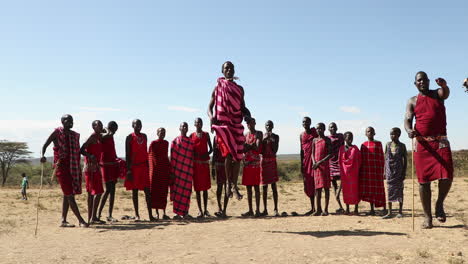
[[409, 116], [52, 137], [443, 92]]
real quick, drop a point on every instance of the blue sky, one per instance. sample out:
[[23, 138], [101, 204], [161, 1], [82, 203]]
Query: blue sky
[[352, 62]]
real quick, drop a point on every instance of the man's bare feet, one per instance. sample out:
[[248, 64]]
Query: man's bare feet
[[200, 215], [218, 214], [111, 219], [257, 213], [371, 213], [399, 215], [440, 214], [153, 219], [427, 223], [340, 211], [166, 217], [97, 222], [84, 224], [325, 213], [309, 212], [387, 216], [206, 213], [66, 224], [276, 213], [238, 195], [264, 213], [317, 213], [248, 214]]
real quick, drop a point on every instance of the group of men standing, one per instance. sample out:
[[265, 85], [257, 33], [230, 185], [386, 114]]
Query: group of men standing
[[152, 171]]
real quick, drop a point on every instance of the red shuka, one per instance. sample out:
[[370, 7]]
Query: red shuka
[[140, 171], [306, 146], [322, 173], [159, 171], [67, 161], [432, 158], [182, 168], [201, 165], [350, 162], [371, 178], [110, 167], [269, 171]]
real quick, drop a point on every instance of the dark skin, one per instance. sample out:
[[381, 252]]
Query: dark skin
[[109, 132], [395, 137], [68, 200], [93, 200], [232, 166], [219, 187], [320, 127], [270, 138], [199, 132], [465, 84], [370, 134], [137, 125], [333, 128], [161, 133], [248, 147], [306, 123], [422, 84], [348, 139]]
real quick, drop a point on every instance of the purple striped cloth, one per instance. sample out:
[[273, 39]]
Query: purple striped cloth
[[229, 128]]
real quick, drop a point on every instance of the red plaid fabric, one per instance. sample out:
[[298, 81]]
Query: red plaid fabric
[[68, 155], [182, 168], [337, 141], [306, 146], [371, 179], [269, 173], [322, 173]]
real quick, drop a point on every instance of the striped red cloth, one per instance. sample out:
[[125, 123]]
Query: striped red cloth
[[182, 168], [306, 147], [229, 128], [67, 161], [269, 172], [322, 173], [159, 172], [350, 163], [337, 141], [201, 166], [432, 159], [371, 177]]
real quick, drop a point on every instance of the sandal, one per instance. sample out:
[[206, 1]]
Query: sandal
[[66, 224]]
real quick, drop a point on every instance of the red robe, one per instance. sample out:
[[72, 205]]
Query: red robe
[[251, 172], [140, 171], [432, 156], [201, 165], [110, 167], [269, 171], [350, 162], [182, 168], [322, 172], [159, 171], [306, 146], [92, 171], [67, 161], [371, 178]]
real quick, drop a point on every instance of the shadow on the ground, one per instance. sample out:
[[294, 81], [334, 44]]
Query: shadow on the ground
[[452, 227], [358, 232]]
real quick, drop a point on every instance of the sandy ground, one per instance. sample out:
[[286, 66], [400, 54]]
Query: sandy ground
[[303, 239]]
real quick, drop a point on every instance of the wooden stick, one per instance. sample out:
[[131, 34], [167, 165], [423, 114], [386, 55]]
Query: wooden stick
[[38, 196], [412, 179]]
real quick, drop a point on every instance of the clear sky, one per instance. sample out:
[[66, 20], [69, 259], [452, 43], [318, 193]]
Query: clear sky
[[352, 62]]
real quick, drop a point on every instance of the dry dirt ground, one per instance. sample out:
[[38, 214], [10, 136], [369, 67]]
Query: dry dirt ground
[[303, 239]]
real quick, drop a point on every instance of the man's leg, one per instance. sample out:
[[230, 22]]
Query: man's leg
[[257, 200], [90, 207], [200, 211], [337, 191], [235, 175], [65, 206], [425, 195], [327, 201], [205, 203], [444, 188], [75, 210], [318, 194], [372, 211], [103, 201], [389, 213], [96, 200], [274, 189], [265, 199], [148, 204], [249, 202], [135, 203], [111, 200], [219, 192]]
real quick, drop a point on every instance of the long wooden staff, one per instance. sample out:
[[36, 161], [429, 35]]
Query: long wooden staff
[[412, 179], [38, 196]]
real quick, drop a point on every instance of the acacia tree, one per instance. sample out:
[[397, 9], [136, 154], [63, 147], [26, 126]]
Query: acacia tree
[[10, 154]]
